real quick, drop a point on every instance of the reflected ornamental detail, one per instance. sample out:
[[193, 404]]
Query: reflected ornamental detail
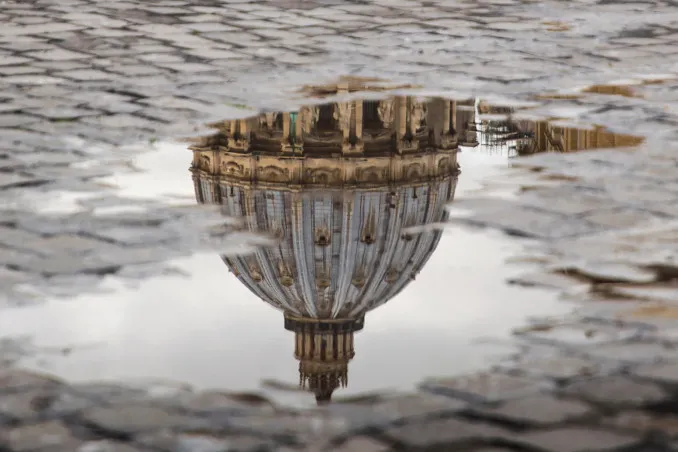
[[340, 202]]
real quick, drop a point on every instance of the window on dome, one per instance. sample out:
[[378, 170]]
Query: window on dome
[[371, 118], [322, 237], [326, 121]]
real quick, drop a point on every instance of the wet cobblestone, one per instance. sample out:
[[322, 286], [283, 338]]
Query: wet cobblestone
[[82, 79]]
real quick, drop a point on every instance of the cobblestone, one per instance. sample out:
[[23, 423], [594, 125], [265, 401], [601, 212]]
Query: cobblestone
[[664, 372], [444, 432], [539, 409], [579, 440], [485, 387], [81, 78], [616, 390]]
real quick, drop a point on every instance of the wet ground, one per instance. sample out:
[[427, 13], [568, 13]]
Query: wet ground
[[549, 258]]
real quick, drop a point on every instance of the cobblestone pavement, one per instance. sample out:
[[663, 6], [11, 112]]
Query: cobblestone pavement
[[83, 83]]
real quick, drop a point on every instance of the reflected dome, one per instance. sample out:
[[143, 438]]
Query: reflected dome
[[345, 189]]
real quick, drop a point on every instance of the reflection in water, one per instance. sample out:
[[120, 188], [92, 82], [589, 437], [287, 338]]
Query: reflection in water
[[340, 186], [525, 137], [346, 189]]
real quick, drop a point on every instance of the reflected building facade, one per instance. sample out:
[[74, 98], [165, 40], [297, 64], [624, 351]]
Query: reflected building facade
[[346, 189], [525, 137]]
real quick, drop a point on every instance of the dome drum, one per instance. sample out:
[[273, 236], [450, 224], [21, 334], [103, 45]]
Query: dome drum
[[324, 172], [313, 325]]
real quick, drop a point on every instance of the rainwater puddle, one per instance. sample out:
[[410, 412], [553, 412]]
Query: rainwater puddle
[[365, 287]]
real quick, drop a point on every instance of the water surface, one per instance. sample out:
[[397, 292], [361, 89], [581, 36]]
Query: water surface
[[209, 330]]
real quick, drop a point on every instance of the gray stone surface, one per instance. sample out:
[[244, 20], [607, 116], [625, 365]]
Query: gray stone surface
[[572, 439], [80, 79], [444, 432], [616, 390], [542, 409], [662, 372], [485, 387], [52, 435], [204, 442], [361, 444], [134, 418]]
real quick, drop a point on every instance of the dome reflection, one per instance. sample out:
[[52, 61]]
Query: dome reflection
[[345, 188]]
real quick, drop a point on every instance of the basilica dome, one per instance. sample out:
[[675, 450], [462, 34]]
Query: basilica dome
[[346, 190]]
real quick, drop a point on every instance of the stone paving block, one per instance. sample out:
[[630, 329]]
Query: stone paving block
[[660, 372], [204, 442], [109, 446], [393, 409], [12, 380], [631, 352], [26, 406], [121, 121], [30, 79], [306, 427], [19, 70], [541, 409], [85, 74], [17, 120], [616, 391], [485, 387], [39, 29], [558, 367], [58, 55], [578, 439], [644, 422], [52, 435], [130, 419], [599, 271], [417, 405], [188, 68], [161, 58], [134, 69], [67, 402], [658, 293], [98, 20], [621, 217], [357, 417], [443, 432], [136, 236], [212, 402], [357, 443], [490, 449]]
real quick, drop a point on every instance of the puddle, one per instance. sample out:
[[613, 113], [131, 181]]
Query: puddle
[[366, 286]]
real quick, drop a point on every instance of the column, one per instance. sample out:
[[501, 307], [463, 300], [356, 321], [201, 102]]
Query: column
[[286, 126], [285, 146], [401, 117], [358, 118], [318, 340]]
